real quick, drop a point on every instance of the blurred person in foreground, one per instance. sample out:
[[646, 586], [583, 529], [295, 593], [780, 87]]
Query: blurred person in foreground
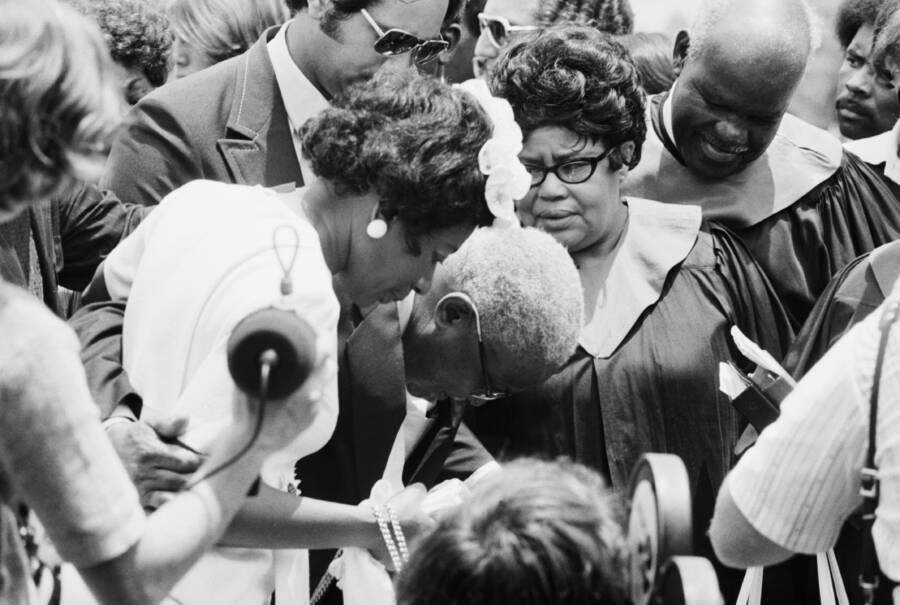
[[662, 287], [866, 104], [535, 534], [206, 32], [503, 22], [721, 139], [59, 103]]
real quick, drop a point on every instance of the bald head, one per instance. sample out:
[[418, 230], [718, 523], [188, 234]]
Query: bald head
[[749, 30], [739, 68]]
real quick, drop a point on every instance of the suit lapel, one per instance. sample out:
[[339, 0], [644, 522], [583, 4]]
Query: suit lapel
[[375, 362], [257, 147]]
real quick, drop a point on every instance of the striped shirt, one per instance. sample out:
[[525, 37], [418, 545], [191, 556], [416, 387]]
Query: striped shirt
[[800, 482]]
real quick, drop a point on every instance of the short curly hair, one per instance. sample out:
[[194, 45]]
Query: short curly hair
[[59, 100], [577, 78], [610, 16], [411, 139], [223, 28], [136, 33], [528, 295], [538, 532], [853, 14]]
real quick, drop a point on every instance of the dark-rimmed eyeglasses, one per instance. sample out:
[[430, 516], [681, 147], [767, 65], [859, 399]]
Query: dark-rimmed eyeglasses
[[571, 172], [397, 42], [499, 30]]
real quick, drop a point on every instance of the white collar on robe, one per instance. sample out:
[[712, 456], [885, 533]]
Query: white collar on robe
[[301, 99], [799, 158], [880, 149], [657, 239]]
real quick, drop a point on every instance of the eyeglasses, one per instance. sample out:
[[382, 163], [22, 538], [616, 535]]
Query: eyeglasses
[[498, 29], [488, 394], [397, 42], [571, 172]]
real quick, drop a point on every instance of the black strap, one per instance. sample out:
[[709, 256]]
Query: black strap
[[869, 483]]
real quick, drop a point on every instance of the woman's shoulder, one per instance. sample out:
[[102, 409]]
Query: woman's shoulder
[[715, 245]]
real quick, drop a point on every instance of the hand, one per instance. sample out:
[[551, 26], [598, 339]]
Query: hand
[[408, 506], [158, 469]]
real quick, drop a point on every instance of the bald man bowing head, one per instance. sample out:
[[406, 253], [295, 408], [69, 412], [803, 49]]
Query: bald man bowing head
[[722, 138]]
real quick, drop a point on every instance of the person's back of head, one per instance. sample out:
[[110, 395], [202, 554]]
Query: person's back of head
[[610, 16], [209, 31], [537, 533], [738, 68], [59, 102], [139, 41], [652, 55]]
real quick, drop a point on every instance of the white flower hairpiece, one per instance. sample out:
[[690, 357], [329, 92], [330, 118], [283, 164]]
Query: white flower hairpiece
[[507, 179]]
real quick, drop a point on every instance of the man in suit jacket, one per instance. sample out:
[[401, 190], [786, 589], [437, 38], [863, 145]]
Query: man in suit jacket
[[237, 121]]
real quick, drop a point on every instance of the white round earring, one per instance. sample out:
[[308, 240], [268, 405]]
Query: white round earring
[[377, 228]]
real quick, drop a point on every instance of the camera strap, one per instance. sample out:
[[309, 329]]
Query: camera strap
[[869, 482]]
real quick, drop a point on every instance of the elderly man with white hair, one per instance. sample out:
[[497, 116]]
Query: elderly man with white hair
[[721, 138]]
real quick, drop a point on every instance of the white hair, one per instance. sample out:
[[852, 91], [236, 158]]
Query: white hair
[[711, 11], [528, 294]]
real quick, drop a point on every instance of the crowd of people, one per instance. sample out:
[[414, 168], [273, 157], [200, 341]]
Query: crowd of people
[[513, 246]]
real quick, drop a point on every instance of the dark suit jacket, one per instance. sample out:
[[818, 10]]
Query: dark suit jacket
[[72, 235], [226, 123]]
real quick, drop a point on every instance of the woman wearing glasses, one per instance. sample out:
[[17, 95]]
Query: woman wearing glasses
[[507, 21], [661, 287]]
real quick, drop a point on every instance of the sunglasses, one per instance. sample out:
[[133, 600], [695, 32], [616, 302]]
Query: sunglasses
[[499, 30], [398, 42]]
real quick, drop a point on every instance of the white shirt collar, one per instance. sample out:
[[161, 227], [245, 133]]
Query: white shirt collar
[[657, 239], [667, 113], [301, 99], [880, 149]]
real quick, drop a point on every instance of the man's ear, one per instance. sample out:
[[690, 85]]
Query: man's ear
[[452, 34], [453, 310], [317, 8], [680, 51]]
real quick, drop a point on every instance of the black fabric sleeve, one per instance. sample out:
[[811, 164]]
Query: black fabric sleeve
[[91, 223], [99, 328]]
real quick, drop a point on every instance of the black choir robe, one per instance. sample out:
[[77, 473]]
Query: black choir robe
[[645, 376], [804, 209]]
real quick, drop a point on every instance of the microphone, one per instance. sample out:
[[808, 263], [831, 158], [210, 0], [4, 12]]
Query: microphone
[[271, 342]]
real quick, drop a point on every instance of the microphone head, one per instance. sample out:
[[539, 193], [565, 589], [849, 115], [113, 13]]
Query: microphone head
[[286, 334]]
